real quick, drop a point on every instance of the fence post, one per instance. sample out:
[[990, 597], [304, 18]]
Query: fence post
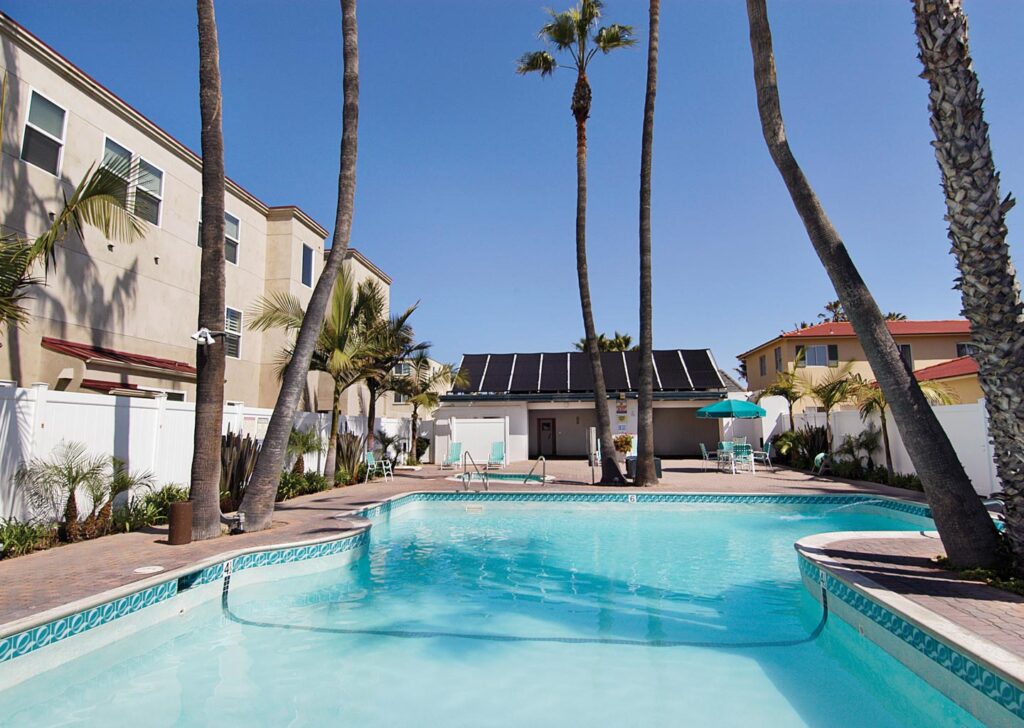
[[39, 390], [158, 426]]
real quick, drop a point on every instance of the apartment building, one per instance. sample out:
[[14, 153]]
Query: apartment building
[[830, 345], [115, 317]]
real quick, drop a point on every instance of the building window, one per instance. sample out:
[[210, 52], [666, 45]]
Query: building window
[[149, 192], [778, 358], [307, 266], [233, 333], [762, 365], [402, 369], [43, 142], [908, 355], [965, 348], [232, 235], [400, 398], [118, 162], [173, 395], [819, 355]]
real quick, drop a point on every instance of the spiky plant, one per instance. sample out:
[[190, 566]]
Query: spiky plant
[[52, 484]]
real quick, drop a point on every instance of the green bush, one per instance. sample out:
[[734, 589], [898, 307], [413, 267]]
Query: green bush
[[162, 498], [153, 508], [18, 538], [291, 485], [316, 483]]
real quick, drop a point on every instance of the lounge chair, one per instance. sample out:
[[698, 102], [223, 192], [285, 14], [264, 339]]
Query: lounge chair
[[706, 457], [497, 457], [765, 456], [821, 464], [375, 466], [742, 457], [454, 456]]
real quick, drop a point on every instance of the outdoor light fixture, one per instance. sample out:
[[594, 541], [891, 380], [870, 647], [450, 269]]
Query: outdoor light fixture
[[205, 337]]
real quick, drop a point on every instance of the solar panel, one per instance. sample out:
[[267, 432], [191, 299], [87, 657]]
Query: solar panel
[[499, 368], [581, 378], [524, 378], [553, 375], [614, 371], [473, 366], [670, 371], [702, 370]]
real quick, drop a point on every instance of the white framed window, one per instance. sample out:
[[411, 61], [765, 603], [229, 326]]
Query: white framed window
[[43, 142], [908, 355], [149, 191], [818, 355], [402, 369], [965, 348], [307, 266], [778, 358], [400, 398], [173, 395], [762, 365], [233, 333], [232, 235], [119, 160]]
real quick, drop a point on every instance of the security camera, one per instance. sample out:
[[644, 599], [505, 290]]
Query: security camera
[[204, 337]]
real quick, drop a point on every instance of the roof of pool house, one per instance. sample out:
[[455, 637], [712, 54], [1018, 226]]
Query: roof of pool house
[[679, 374]]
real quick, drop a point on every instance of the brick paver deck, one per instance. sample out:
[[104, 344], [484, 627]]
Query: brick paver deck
[[49, 579]]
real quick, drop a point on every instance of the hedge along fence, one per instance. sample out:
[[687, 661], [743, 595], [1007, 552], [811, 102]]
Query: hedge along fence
[[148, 434]]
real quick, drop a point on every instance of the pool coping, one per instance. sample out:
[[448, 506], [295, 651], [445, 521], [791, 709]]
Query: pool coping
[[33, 632], [987, 655]]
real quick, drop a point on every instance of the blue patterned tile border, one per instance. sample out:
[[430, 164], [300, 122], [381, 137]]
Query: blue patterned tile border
[[386, 507], [975, 675], [30, 640], [298, 553]]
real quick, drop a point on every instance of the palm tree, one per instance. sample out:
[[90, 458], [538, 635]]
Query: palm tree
[[52, 484], [205, 479], [895, 316], [258, 503], [575, 31], [988, 283], [341, 347], [830, 391], [833, 312], [964, 526], [619, 342], [645, 471], [302, 443], [422, 387], [789, 385], [871, 401]]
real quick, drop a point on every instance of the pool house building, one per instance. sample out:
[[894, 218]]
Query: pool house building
[[543, 403]]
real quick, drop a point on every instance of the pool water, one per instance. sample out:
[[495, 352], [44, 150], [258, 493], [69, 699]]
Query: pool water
[[497, 613]]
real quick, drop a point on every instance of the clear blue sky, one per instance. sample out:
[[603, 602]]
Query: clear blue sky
[[466, 178]]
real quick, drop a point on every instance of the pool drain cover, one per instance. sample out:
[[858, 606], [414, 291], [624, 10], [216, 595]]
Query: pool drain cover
[[149, 570]]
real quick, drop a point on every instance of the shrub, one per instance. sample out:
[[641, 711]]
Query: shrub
[[18, 538], [290, 486], [623, 444], [316, 483], [162, 498], [350, 457], [134, 515]]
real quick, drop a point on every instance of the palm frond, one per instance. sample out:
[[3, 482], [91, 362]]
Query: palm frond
[[614, 36], [562, 31], [16, 258], [277, 310], [538, 61]]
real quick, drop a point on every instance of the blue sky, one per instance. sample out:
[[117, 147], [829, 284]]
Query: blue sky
[[466, 176]]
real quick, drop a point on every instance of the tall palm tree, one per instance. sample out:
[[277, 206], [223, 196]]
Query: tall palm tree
[[645, 471], [964, 526], [871, 401], [789, 385], [258, 502], [205, 482], [422, 388], [341, 347], [575, 31], [830, 391], [988, 282]]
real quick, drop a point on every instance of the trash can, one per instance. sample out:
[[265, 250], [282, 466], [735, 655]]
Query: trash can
[[179, 521], [631, 467]]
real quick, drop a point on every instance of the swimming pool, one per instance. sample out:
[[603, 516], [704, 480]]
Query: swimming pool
[[482, 611]]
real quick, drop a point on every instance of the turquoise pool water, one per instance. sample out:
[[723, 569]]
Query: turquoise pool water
[[540, 614]]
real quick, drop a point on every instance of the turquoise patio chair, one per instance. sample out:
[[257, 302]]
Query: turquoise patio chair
[[375, 466], [707, 457], [454, 455], [743, 457], [765, 456], [497, 457]]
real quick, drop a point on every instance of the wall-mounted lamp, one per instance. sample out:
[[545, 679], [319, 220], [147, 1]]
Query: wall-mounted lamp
[[205, 337]]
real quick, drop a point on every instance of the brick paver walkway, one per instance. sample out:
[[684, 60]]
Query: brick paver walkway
[[49, 579]]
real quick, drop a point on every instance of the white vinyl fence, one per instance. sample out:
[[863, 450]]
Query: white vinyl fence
[[148, 434], [965, 424]]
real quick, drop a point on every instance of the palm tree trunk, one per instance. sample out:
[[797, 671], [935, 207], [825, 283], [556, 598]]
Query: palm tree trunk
[[371, 413], [258, 503], [413, 422], [331, 463], [610, 473], [988, 282], [205, 485], [964, 526], [885, 441], [645, 471], [792, 426]]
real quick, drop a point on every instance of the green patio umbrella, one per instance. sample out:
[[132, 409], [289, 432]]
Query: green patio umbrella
[[737, 408]]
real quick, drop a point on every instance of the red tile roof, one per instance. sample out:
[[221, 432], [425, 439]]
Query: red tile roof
[[103, 386], [88, 353], [896, 328], [959, 367]]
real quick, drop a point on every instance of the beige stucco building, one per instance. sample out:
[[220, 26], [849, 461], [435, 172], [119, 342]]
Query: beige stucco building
[[827, 346], [118, 317]]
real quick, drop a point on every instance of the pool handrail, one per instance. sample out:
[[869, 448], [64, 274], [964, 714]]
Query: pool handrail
[[466, 477], [543, 473]]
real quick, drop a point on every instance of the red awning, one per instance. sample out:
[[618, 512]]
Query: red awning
[[101, 386], [88, 353]]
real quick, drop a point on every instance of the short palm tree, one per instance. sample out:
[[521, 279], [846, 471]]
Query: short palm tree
[[871, 400], [976, 211], [302, 443], [422, 388], [341, 347], [53, 485], [576, 33], [830, 391], [789, 385]]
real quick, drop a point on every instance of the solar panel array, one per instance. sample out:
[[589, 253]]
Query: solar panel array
[[676, 370]]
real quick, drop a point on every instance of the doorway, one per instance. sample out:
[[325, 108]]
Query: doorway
[[546, 436]]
